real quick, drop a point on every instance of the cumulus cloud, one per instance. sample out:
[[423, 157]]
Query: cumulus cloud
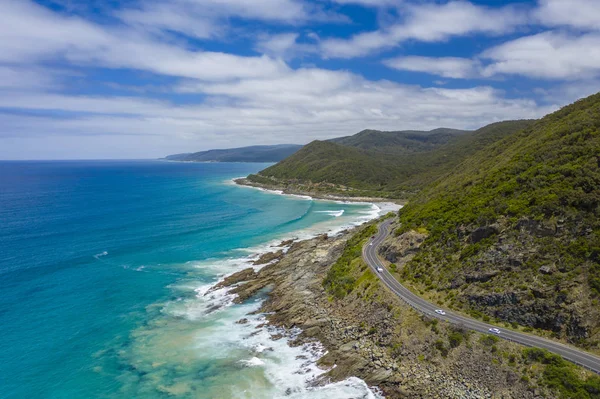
[[286, 45], [302, 105], [584, 14], [32, 33], [428, 23], [448, 67], [208, 18], [233, 100], [548, 55], [371, 3]]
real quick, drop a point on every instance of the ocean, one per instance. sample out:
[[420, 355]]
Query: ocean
[[104, 267]]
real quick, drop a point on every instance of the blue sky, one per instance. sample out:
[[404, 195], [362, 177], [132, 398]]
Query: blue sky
[[146, 78]]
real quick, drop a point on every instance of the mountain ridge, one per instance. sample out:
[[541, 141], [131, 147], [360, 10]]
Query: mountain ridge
[[256, 153], [393, 164], [513, 233]]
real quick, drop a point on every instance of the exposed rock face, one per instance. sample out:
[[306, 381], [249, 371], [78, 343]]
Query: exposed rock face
[[243, 275], [546, 269], [371, 334], [511, 278], [287, 243], [268, 257], [484, 232], [401, 249]]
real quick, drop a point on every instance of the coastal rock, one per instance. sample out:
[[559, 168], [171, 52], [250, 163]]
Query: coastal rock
[[287, 243], [244, 275], [268, 257], [372, 335]]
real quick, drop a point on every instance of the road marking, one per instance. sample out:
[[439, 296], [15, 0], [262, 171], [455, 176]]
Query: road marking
[[369, 252]]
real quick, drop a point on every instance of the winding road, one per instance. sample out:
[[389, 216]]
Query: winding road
[[577, 356]]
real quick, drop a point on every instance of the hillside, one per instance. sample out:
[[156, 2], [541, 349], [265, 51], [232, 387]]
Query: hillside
[[385, 164], [401, 142], [513, 233], [258, 153]]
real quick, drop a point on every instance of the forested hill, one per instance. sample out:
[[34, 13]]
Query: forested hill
[[407, 141], [258, 153], [387, 164], [513, 232]]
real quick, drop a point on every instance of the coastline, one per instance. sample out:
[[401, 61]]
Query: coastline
[[351, 337], [348, 341], [244, 182], [269, 339]]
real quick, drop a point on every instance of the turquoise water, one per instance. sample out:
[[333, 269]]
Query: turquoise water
[[103, 270]]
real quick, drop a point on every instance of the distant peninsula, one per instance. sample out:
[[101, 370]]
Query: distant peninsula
[[257, 153]]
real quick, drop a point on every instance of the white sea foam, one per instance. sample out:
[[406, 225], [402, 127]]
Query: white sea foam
[[101, 254], [290, 371], [201, 325], [253, 362], [336, 214]]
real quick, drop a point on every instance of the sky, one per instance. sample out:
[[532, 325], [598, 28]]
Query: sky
[[84, 79]]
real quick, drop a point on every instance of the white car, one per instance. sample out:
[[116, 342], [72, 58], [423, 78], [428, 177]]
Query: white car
[[379, 270], [371, 244], [440, 311], [494, 331]]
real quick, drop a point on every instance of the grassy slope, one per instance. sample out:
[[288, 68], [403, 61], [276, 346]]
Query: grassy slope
[[387, 163], [539, 263]]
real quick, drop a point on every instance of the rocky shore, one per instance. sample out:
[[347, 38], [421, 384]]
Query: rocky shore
[[324, 195], [372, 335]]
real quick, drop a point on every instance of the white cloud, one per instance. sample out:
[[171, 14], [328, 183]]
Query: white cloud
[[371, 3], [32, 33], [584, 14], [286, 45], [12, 77], [298, 106], [548, 55], [428, 23], [242, 100], [209, 18], [448, 67], [157, 17]]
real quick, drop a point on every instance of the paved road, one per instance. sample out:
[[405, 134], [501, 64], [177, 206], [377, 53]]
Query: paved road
[[578, 356]]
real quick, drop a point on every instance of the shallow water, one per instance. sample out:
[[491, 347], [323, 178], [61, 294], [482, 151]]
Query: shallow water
[[103, 271]]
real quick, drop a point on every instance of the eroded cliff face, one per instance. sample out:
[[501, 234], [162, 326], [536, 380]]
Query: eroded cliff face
[[505, 271], [371, 334]]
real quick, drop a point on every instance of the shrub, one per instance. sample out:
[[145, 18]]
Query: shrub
[[488, 340], [439, 345], [341, 278], [455, 338]]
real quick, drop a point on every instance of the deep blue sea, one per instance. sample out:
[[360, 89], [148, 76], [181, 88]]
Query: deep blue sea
[[104, 267]]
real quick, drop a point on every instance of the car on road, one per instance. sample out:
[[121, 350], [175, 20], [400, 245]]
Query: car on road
[[379, 270], [440, 311], [371, 244], [494, 331]]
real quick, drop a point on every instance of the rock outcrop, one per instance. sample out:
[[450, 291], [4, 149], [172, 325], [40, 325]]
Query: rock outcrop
[[371, 334]]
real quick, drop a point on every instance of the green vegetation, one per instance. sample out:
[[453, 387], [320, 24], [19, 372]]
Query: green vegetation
[[343, 276], [257, 153], [520, 216], [455, 338], [562, 376], [488, 340], [384, 164]]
